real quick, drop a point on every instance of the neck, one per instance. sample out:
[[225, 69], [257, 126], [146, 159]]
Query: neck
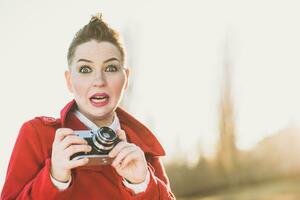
[[103, 122], [106, 120]]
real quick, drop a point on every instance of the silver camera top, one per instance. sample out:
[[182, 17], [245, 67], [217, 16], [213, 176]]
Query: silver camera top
[[84, 134]]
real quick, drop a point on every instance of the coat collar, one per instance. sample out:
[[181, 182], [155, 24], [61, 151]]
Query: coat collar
[[136, 132]]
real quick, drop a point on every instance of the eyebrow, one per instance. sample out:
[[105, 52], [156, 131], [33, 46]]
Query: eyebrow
[[89, 61]]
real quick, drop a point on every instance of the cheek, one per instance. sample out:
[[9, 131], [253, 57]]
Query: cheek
[[118, 85], [79, 86]]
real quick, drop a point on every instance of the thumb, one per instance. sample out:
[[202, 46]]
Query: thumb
[[122, 135]]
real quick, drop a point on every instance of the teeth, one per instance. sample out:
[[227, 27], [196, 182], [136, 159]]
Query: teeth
[[96, 100], [98, 97]]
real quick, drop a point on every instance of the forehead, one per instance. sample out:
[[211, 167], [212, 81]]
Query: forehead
[[96, 52]]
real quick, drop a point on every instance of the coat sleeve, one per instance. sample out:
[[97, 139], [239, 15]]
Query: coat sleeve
[[28, 174], [158, 187]]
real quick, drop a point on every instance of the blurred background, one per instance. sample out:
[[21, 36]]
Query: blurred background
[[217, 82]]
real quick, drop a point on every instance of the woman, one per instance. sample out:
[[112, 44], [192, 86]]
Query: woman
[[40, 166]]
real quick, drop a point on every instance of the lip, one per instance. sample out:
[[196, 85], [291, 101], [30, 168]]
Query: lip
[[102, 103]]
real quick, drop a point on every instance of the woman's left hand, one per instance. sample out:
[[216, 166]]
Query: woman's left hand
[[129, 160]]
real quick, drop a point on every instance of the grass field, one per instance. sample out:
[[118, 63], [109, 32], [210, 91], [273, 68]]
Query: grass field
[[276, 190]]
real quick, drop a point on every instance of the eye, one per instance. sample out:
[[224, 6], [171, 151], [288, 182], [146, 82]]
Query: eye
[[111, 68], [85, 69]]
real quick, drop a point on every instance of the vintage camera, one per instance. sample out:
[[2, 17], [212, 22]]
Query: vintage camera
[[102, 142]]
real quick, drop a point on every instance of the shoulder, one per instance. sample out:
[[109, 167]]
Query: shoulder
[[47, 121], [36, 136], [40, 123], [41, 129]]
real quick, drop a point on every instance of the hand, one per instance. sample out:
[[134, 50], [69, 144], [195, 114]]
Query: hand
[[129, 161], [64, 146]]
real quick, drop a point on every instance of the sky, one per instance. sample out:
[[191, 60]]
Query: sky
[[176, 52]]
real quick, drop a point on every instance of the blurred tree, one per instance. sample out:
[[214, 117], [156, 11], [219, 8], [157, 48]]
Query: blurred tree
[[227, 151]]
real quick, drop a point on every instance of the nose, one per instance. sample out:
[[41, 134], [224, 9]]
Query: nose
[[99, 80]]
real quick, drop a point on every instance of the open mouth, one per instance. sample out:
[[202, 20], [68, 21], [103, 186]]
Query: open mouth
[[99, 99]]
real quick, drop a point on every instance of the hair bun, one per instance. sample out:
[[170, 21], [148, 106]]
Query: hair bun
[[96, 17]]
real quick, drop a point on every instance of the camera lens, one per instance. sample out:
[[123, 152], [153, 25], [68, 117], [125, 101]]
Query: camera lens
[[105, 139]]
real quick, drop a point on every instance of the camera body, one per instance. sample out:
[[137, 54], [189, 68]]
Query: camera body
[[102, 142]]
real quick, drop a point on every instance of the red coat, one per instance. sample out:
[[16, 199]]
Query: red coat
[[28, 174]]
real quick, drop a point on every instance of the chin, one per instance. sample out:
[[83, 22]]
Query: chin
[[103, 113]]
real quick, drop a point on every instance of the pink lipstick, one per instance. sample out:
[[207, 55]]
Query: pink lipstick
[[99, 99]]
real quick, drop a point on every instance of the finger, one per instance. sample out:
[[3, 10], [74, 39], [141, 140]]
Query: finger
[[77, 163], [122, 135], [118, 148], [122, 154], [135, 155], [61, 133], [138, 154], [72, 139], [76, 149]]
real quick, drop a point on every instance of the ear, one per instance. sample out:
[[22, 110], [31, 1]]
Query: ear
[[127, 72], [68, 80]]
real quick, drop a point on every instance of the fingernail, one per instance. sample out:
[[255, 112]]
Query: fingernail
[[89, 149], [122, 165]]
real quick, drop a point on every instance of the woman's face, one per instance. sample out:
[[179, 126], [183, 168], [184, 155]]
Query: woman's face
[[97, 79]]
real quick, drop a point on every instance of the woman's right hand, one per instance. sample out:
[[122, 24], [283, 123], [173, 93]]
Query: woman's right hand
[[64, 146]]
